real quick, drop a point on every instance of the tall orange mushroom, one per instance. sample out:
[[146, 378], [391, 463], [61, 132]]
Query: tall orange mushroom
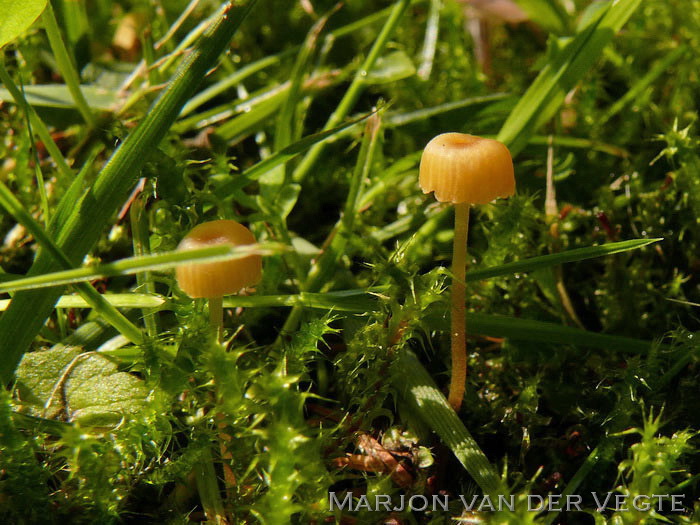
[[464, 170], [216, 279]]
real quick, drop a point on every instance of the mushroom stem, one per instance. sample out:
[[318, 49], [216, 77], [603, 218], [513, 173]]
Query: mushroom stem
[[459, 321], [216, 315]]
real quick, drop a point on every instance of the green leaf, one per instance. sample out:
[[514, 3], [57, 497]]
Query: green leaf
[[421, 394], [58, 96], [65, 383], [660, 68], [132, 265], [17, 16], [578, 254], [395, 119], [37, 376], [568, 66], [391, 68], [285, 155], [98, 394], [551, 333], [244, 124], [357, 301], [286, 199]]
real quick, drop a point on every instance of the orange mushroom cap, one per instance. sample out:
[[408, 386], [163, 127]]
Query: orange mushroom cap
[[464, 168], [217, 279]]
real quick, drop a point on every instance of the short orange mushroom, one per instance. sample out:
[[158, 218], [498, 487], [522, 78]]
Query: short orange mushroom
[[464, 170], [215, 279]]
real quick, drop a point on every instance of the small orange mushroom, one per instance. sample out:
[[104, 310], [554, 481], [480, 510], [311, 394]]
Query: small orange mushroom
[[215, 279], [464, 170]]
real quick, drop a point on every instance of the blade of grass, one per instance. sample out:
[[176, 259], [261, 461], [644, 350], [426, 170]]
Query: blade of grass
[[334, 246], [74, 18], [284, 129], [543, 261], [142, 247], [59, 96], [643, 83], [561, 74], [29, 310], [42, 131], [40, 183], [398, 169], [247, 122], [432, 26], [120, 300], [394, 119], [549, 14], [356, 87], [142, 263], [92, 296], [577, 142], [350, 301], [230, 81], [225, 111], [208, 488], [285, 155], [544, 332], [65, 64], [421, 394], [578, 478], [337, 239]]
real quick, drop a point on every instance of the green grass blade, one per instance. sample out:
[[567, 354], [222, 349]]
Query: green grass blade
[[12, 92], [490, 325], [230, 81], [561, 74], [394, 119], [286, 123], [75, 22], [544, 261], [223, 112], [581, 474], [336, 241], [549, 14], [106, 310], [578, 142], [246, 123], [551, 333], [327, 262], [59, 96], [286, 154], [349, 301], [421, 394], [141, 244], [356, 87], [118, 300], [432, 27], [30, 309], [65, 64], [642, 84], [132, 265]]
